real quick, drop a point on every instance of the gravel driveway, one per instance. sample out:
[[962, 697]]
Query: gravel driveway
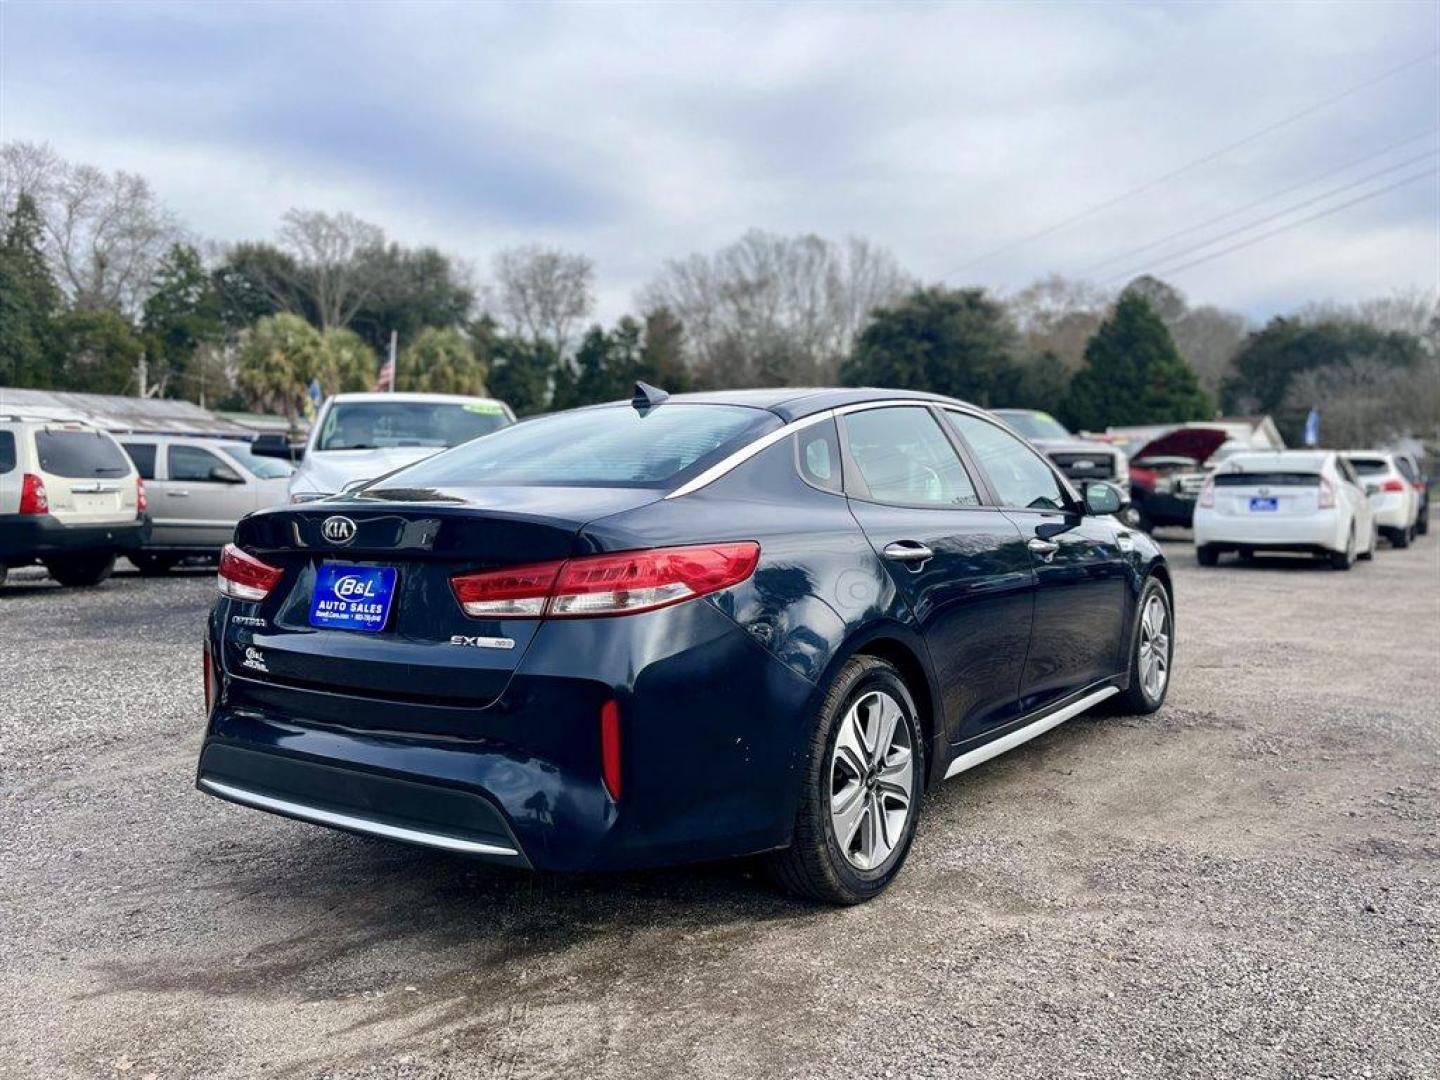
[[1245, 885]]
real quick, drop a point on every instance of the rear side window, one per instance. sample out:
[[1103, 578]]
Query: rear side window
[[1369, 466], [80, 454], [1406, 469], [613, 446], [1019, 476], [904, 458], [7, 451], [1267, 479], [817, 456], [143, 454]]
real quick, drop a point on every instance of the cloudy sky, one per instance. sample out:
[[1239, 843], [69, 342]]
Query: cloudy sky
[[958, 135]]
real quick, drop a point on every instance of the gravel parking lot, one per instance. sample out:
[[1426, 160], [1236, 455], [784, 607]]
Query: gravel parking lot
[[1244, 885]]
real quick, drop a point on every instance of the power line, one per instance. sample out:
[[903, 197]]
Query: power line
[[1301, 205], [1362, 159], [1172, 270], [1204, 159]]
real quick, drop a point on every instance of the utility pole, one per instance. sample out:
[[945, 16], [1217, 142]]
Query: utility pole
[[394, 368], [140, 372]]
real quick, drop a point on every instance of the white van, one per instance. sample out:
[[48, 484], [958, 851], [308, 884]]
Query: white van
[[69, 498]]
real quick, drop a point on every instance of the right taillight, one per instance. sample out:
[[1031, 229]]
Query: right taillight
[[33, 499], [244, 577], [1207, 492], [1327, 494], [621, 584]]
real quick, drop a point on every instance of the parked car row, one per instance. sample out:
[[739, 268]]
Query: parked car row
[[1335, 505], [74, 498]]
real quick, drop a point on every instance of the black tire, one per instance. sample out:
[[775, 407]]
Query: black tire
[[1136, 700], [1206, 555], [1400, 538], [81, 571], [1142, 520], [4, 573], [814, 866], [1422, 526], [1344, 560], [152, 565]]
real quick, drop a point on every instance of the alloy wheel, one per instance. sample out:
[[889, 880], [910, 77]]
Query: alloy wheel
[[1154, 647], [871, 780]]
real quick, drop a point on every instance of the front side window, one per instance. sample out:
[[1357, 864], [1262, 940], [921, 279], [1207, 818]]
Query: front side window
[[191, 463], [266, 468], [1020, 477], [904, 458], [612, 446], [371, 425], [143, 454]]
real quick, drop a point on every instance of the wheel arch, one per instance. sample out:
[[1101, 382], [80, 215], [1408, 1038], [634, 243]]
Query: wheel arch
[[906, 652]]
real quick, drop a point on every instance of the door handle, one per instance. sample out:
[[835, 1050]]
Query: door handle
[[1046, 549], [177, 494], [908, 551]]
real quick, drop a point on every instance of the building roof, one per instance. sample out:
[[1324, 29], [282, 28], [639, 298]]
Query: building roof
[[115, 413]]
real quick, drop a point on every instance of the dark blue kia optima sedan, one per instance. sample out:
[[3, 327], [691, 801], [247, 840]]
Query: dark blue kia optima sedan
[[677, 628]]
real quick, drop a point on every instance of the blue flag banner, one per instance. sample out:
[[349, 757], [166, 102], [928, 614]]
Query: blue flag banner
[[1312, 428], [314, 396]]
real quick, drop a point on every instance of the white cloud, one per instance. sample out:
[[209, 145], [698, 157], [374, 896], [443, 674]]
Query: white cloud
[[642, 132]]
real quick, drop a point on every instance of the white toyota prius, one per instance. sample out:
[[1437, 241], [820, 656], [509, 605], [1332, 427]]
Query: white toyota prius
[[1289, 500]]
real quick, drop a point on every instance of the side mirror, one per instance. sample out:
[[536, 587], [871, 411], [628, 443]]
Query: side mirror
[[1102, 498], [224, 474]]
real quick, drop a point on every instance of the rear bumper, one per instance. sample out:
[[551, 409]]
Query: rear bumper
[[712, 738], [1393, 511], [26, 537], [1323, 530]]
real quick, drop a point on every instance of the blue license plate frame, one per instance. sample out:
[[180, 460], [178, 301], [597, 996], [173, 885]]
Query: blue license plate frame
[[1264, 505]]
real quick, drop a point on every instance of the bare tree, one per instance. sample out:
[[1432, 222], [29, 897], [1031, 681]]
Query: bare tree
[[1059, 315], [542, 294], [331, 252], [104, 233], [775, 310], [1369, 402]]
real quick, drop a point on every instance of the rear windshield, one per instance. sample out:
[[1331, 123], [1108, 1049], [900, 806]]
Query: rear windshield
[[1267, 479], [1369, 466], [79, 454], [266, 468], [367, 425], [606, 447]]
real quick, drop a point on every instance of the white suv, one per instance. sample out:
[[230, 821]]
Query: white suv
[[1393, 497], [69, 498]]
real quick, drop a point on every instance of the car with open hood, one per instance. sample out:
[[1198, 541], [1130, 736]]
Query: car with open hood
[[1167, 473]]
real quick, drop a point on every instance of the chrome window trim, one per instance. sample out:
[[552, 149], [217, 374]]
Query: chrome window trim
[[353, 823], [764, 442]]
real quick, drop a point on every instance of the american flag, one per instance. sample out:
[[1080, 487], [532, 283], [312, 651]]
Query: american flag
[[386, 379]]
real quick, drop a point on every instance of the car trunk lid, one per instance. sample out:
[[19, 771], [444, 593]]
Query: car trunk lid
[[427, 650], [1279, 494]]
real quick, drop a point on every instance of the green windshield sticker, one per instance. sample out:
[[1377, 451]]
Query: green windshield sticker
[[485, 408]]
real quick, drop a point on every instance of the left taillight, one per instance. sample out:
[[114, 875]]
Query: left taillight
[[595, 585], [244, 577], [33, 499], [1393, 484], [141, 502]]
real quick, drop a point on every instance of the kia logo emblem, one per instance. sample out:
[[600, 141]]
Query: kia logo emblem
[[337, 529]]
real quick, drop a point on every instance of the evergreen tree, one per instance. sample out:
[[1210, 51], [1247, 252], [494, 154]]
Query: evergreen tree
[[98, 351], [949, 341], [29, 303], [1133, 374], [181, 314], [521, 373]]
